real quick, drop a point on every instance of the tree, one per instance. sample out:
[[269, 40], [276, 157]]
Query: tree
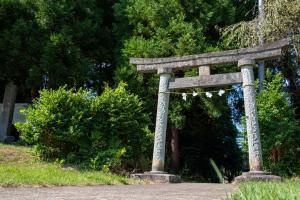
[[281, 21], [60, 42], [53, 43], [19, 32], [20, 38], [261, 66], [161, 29], [79, 46], [63, 63], [279, 128]]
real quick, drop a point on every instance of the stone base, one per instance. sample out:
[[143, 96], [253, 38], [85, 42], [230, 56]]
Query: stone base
[[257, 176], [158, 177], [7, 139]]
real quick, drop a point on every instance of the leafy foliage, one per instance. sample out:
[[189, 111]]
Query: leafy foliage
[[104, 131], [63, 63], [175, 28], [83, 43], [277, 108], [208, 134], [47, 44], [279, 129], [78, 42], [20, 37], [281, 20]]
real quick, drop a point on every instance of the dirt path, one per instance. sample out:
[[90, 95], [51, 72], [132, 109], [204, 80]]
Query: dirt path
[[188, 191]]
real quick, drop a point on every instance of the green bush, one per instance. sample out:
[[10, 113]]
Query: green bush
[[103, 132], [279, 129]]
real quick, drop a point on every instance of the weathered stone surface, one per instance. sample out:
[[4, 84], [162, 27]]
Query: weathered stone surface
[[164, 71], [7, 113], [18, 116], [206, 81], [158, 177], [204, 70], [158, 161], [263, 52], [275, 45], [257, 176], [254, 144]]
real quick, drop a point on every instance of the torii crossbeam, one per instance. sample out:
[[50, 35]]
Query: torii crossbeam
[[246, 59]]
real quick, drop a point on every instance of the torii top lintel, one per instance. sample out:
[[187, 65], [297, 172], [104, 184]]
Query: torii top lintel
[[262, 52]]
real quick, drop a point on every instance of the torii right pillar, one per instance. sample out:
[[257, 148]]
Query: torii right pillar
[[256, 172]]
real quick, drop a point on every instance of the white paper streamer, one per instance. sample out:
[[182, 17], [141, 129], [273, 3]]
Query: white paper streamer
[[184, 95], [221, 92], [208, 94]]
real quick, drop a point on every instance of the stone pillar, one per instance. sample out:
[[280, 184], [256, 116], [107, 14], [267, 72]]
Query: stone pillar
[[256, 172], [157, 173], [8, 110], [254, 144], [161, 121]]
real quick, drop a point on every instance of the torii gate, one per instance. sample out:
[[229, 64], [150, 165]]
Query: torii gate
[[246, 59]]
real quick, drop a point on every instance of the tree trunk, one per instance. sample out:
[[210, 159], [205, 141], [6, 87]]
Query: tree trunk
[[261, 65], [7, 113], [34, 93], [174, 149]]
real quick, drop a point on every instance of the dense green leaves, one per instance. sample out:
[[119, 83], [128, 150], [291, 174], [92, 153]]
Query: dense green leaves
[[52, 43], [83, 43], [79, 43], [62, 62], [20, 38], [107, 131], [279, 129], [174, 28], [278, 103]]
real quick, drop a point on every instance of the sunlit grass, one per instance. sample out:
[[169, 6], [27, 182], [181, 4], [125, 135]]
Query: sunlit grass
[[287, 190], [18, 167]]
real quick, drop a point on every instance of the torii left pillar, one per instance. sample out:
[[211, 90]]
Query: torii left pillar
[[157, 173], [158, 161]]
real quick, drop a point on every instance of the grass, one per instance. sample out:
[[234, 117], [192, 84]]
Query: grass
[[19, 167], [287, 190]]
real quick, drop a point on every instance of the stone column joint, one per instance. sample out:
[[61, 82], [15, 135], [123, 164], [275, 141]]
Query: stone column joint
[[246, 62], [164, 71]]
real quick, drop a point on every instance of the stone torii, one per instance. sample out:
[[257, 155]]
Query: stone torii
[[246, 59]]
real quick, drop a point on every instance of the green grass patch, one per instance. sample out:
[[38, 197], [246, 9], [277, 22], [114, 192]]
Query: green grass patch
[[287, 190], [19, 167]]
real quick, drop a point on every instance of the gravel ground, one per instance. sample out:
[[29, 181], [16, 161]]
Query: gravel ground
[[188, 191]]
